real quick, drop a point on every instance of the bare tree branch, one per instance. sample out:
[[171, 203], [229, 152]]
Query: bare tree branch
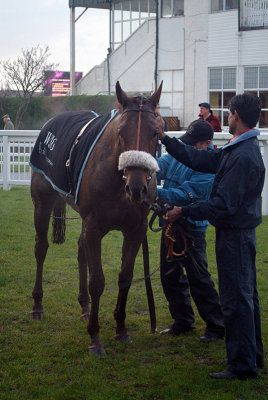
[[25, 75]]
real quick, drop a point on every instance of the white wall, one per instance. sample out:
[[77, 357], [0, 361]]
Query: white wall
[[228, 47], [223, 36], [196, 43], [171, 65], [132, 63], [95, 81], [254, 47], [188, 46]]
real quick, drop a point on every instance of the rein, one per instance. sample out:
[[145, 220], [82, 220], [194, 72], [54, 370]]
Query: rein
[[170, 231], [170, 241]]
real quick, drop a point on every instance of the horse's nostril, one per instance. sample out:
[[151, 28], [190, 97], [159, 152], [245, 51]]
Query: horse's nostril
[[136, 194], [127, 189], [144, 190]]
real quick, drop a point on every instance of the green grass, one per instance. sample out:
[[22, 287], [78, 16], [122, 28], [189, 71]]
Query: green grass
[[49, 359]]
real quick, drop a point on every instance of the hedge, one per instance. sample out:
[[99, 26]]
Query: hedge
[[43, 108]]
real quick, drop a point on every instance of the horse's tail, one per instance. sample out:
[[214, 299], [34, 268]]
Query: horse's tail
[[58, 224]]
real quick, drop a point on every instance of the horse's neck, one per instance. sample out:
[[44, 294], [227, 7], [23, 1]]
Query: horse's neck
[[111, 142]]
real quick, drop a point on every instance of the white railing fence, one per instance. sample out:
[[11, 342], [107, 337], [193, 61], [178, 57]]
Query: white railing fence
[[16, 147], [254, 13], [15, 150]]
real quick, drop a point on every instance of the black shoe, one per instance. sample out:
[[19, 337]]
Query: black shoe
[[260, 365], [176, 332], [226, 374], [259, 361], [210, 337]]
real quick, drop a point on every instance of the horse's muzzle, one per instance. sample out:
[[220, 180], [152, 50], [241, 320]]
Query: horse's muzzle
[[138, 167], [136, 190]]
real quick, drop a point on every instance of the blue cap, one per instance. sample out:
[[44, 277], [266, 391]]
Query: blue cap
[[207, 105]]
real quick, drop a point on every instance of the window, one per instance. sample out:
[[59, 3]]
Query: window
[[222, 5], [128, 15], [256, 81], [222, 87], [171, 8]]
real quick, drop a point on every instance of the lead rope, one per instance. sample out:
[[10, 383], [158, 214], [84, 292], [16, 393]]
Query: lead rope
[[148, 286], [170, 241]]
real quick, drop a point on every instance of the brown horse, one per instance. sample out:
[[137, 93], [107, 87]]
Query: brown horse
[[117, 188]]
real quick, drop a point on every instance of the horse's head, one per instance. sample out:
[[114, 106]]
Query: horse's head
[[138, 138]]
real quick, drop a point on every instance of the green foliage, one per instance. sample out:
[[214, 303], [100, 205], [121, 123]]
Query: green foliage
[[36, 115], [49, 359], [8, 105], [43, 108], [101, 104]]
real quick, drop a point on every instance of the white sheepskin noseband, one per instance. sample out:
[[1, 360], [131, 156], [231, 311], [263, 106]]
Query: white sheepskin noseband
[[139, 159]]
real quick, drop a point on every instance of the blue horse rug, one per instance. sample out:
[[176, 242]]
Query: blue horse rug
[[64, 145]]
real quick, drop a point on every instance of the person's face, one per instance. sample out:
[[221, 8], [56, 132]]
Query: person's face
[[202, 145], [204, 111], [232, 122]]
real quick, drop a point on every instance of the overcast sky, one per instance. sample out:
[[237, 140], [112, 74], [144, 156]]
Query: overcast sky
[[26, 23]]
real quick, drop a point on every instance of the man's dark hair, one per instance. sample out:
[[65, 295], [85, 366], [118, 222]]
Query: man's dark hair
[[248, 106]]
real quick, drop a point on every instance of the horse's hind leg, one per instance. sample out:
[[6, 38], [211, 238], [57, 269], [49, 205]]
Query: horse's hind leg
[[83, 297], [43, 205], [41, 221]]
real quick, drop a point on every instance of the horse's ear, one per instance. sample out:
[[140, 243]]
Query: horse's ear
[[154, 99], [121, 95]]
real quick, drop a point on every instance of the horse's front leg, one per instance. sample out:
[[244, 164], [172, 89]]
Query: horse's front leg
[[130, 249], [92, 245]]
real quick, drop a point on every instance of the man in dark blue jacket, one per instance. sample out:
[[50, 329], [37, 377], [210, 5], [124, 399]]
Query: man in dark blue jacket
[[183, 186], [234, 208]]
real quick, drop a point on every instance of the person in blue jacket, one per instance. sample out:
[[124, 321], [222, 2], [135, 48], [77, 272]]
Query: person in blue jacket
[[183, 186], [234, 208]]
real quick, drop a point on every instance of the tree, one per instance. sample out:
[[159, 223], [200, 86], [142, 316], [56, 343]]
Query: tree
[[25, 76]]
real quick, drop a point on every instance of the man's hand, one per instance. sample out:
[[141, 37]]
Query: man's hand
[[174, 214], [160, 125]]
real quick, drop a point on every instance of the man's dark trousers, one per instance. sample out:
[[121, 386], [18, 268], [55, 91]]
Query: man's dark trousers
[[236, 252]]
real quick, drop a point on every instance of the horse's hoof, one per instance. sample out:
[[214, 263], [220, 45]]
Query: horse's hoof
[[85, 317], [98, 351], [37, 315], [123, 338]]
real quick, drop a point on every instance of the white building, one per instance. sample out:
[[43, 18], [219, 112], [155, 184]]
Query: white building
[[203, 50]]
